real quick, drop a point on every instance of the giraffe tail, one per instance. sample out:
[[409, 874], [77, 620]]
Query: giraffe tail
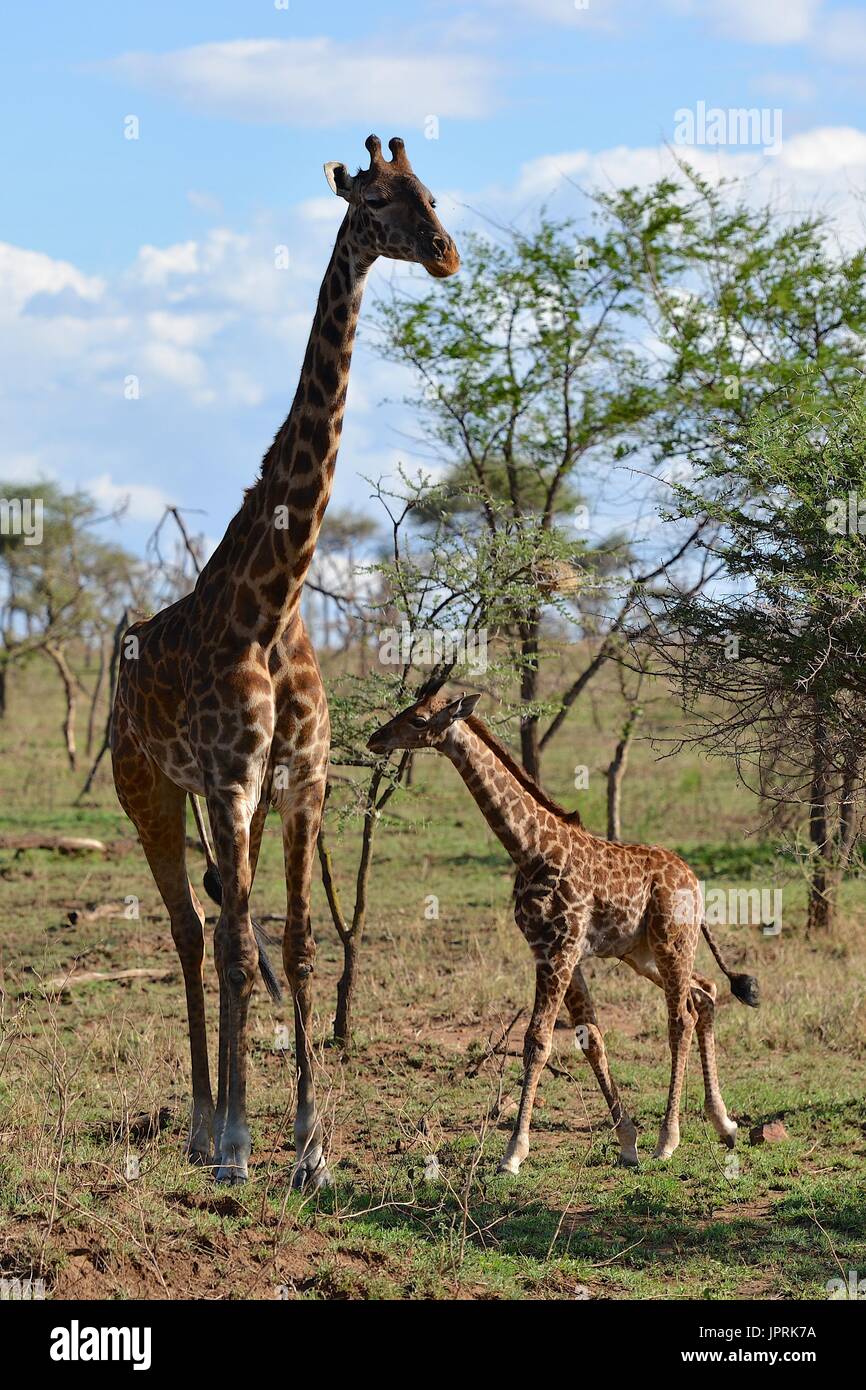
[[214, 889], [743, 987]]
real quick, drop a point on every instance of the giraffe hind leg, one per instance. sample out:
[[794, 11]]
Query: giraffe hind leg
[[703, 996], [157, 808], [704, 999]]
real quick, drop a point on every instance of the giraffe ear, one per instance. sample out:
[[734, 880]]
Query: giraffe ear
[[340, 181], [459, 709], [466, 705]]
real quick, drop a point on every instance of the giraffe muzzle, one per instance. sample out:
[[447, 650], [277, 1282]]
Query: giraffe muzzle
[[446, 258]]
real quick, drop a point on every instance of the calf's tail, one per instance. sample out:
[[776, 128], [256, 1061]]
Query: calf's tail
[[743, 987]]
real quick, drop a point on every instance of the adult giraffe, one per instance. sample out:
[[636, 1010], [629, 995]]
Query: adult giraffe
[[221, 695]]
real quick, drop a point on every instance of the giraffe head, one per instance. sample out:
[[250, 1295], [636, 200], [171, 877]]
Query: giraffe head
[[422, 725], [391, 211]]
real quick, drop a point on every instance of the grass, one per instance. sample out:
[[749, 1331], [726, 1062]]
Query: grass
[[95, 1194]]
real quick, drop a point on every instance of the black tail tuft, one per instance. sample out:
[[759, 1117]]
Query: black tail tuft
[[214, 889], [213, 884], [266, 970], [745, 988]]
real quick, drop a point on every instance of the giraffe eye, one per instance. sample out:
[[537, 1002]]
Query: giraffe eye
[[376, 203], [418, 722]]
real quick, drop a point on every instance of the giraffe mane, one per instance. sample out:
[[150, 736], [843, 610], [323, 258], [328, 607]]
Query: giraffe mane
[[522, 776]]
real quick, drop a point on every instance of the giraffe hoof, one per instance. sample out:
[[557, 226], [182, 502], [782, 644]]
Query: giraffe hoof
[[231, 1173], [511, 1166], [628, 1161], [311, 1179], [199, 1158], [231, 1164]]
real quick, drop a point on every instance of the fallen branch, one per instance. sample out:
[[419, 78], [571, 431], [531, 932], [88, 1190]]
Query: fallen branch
[[95, 913], [63, 844], [89, 977]]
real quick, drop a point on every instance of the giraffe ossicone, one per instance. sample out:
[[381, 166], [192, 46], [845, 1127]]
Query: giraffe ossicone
[[218, 691]]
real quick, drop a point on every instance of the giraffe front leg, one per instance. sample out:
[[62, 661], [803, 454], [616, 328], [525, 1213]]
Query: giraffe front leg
[[236, 957], [551, 981], [589, 1038], [300, 828]]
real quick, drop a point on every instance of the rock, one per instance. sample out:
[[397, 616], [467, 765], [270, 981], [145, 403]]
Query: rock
[[771, 1132]]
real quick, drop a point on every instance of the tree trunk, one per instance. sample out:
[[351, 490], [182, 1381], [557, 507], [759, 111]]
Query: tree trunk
[[97, 692], [529, 746], [346, 993], [58, 657], [821, 887], [2, 690], [848, 817], [615, 774], [112, 685]]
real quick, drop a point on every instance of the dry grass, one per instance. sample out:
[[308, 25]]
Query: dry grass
[[94, 1079]]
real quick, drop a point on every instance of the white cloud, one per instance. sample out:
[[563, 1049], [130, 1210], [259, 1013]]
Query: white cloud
[[594, 14], [216, 333], [203, 202], [315, 81], [24, 274], [836, 34], [826, 150], [758, 21], [842, 36], [184, 330], [157, 264], [326, 209], [821, 169], [171, 364], [23, 468], [143, 502]]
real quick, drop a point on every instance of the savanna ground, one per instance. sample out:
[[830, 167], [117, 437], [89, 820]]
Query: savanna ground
[[96, 1197]]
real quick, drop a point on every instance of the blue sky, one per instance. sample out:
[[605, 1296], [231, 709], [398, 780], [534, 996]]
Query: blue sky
[[153, 257]]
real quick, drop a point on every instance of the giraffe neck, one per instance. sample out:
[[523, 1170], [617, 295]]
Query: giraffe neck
[[258, 570], [531, 834]]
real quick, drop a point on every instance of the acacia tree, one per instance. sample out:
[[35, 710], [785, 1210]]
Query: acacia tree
[[526, 379], [744, 308], [779, 646], [440, 605], [335, 578], [613, 351], [61, 589]]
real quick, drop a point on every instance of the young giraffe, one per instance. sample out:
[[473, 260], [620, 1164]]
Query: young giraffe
[[578, 896], [220, 695]]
